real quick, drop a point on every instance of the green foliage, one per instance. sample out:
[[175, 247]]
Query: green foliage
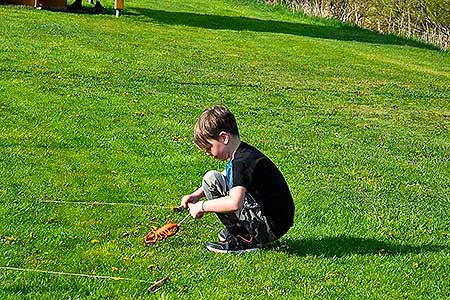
[[95, 108], [427, 20]]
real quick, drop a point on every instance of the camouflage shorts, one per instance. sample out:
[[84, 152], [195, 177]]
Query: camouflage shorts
[[255, 222]]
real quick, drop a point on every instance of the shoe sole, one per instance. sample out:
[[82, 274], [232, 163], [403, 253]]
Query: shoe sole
[[231, 251]]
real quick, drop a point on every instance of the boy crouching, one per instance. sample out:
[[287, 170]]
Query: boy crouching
[[250, 197]]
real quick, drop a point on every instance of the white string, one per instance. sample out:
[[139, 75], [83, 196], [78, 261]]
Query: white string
[[112, 203], [72, 274], [184, 219], [106, 203]]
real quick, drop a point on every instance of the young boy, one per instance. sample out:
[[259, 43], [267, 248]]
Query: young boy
[[251, 197]]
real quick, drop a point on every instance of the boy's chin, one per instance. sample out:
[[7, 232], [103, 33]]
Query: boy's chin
[[221, 158]]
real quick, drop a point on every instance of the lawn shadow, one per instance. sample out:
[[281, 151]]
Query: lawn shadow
[[341, 246], [343, 33]]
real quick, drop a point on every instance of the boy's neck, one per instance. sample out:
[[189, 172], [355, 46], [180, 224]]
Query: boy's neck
[[235, 141]]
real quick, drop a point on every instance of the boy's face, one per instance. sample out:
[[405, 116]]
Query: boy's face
[[220, 148]]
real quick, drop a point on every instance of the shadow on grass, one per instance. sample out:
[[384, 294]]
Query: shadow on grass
[[343, 33], [346, 245]]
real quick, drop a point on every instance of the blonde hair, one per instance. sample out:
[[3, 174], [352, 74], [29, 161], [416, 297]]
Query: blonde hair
[[211, 122]]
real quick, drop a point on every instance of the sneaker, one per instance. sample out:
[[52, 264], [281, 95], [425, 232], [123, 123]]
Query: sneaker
[[223, 235], [234, 244]]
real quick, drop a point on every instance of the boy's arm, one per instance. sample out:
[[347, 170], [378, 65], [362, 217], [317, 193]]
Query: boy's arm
[[231, 203], [192, 198]]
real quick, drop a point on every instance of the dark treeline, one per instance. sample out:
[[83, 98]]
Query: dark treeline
[[426, 20]]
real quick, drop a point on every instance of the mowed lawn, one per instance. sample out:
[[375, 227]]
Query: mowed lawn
[[95, 108]]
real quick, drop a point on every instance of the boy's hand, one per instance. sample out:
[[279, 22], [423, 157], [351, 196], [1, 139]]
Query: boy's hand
[[196, 210], [186, 200]]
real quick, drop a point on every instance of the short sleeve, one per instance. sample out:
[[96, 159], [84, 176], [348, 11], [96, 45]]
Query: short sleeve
[[242, 174]]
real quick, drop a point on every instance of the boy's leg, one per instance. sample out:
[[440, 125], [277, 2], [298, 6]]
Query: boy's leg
[[248, 221], [215, 186], [256, 223]]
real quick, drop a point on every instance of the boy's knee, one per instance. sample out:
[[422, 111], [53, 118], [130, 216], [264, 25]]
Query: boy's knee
[[211, 177], [214, 185]]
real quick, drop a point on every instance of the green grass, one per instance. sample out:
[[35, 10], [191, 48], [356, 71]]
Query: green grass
[[94, 108]]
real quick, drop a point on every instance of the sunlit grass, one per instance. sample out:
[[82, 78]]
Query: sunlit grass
[[94, 108]]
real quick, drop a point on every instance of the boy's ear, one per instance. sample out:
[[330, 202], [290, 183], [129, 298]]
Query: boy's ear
[[224, 137]]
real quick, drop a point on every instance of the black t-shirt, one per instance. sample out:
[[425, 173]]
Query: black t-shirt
[[258, 174]]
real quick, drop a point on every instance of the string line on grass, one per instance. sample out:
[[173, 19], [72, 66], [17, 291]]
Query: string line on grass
[[73, 274], [106, 203]]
